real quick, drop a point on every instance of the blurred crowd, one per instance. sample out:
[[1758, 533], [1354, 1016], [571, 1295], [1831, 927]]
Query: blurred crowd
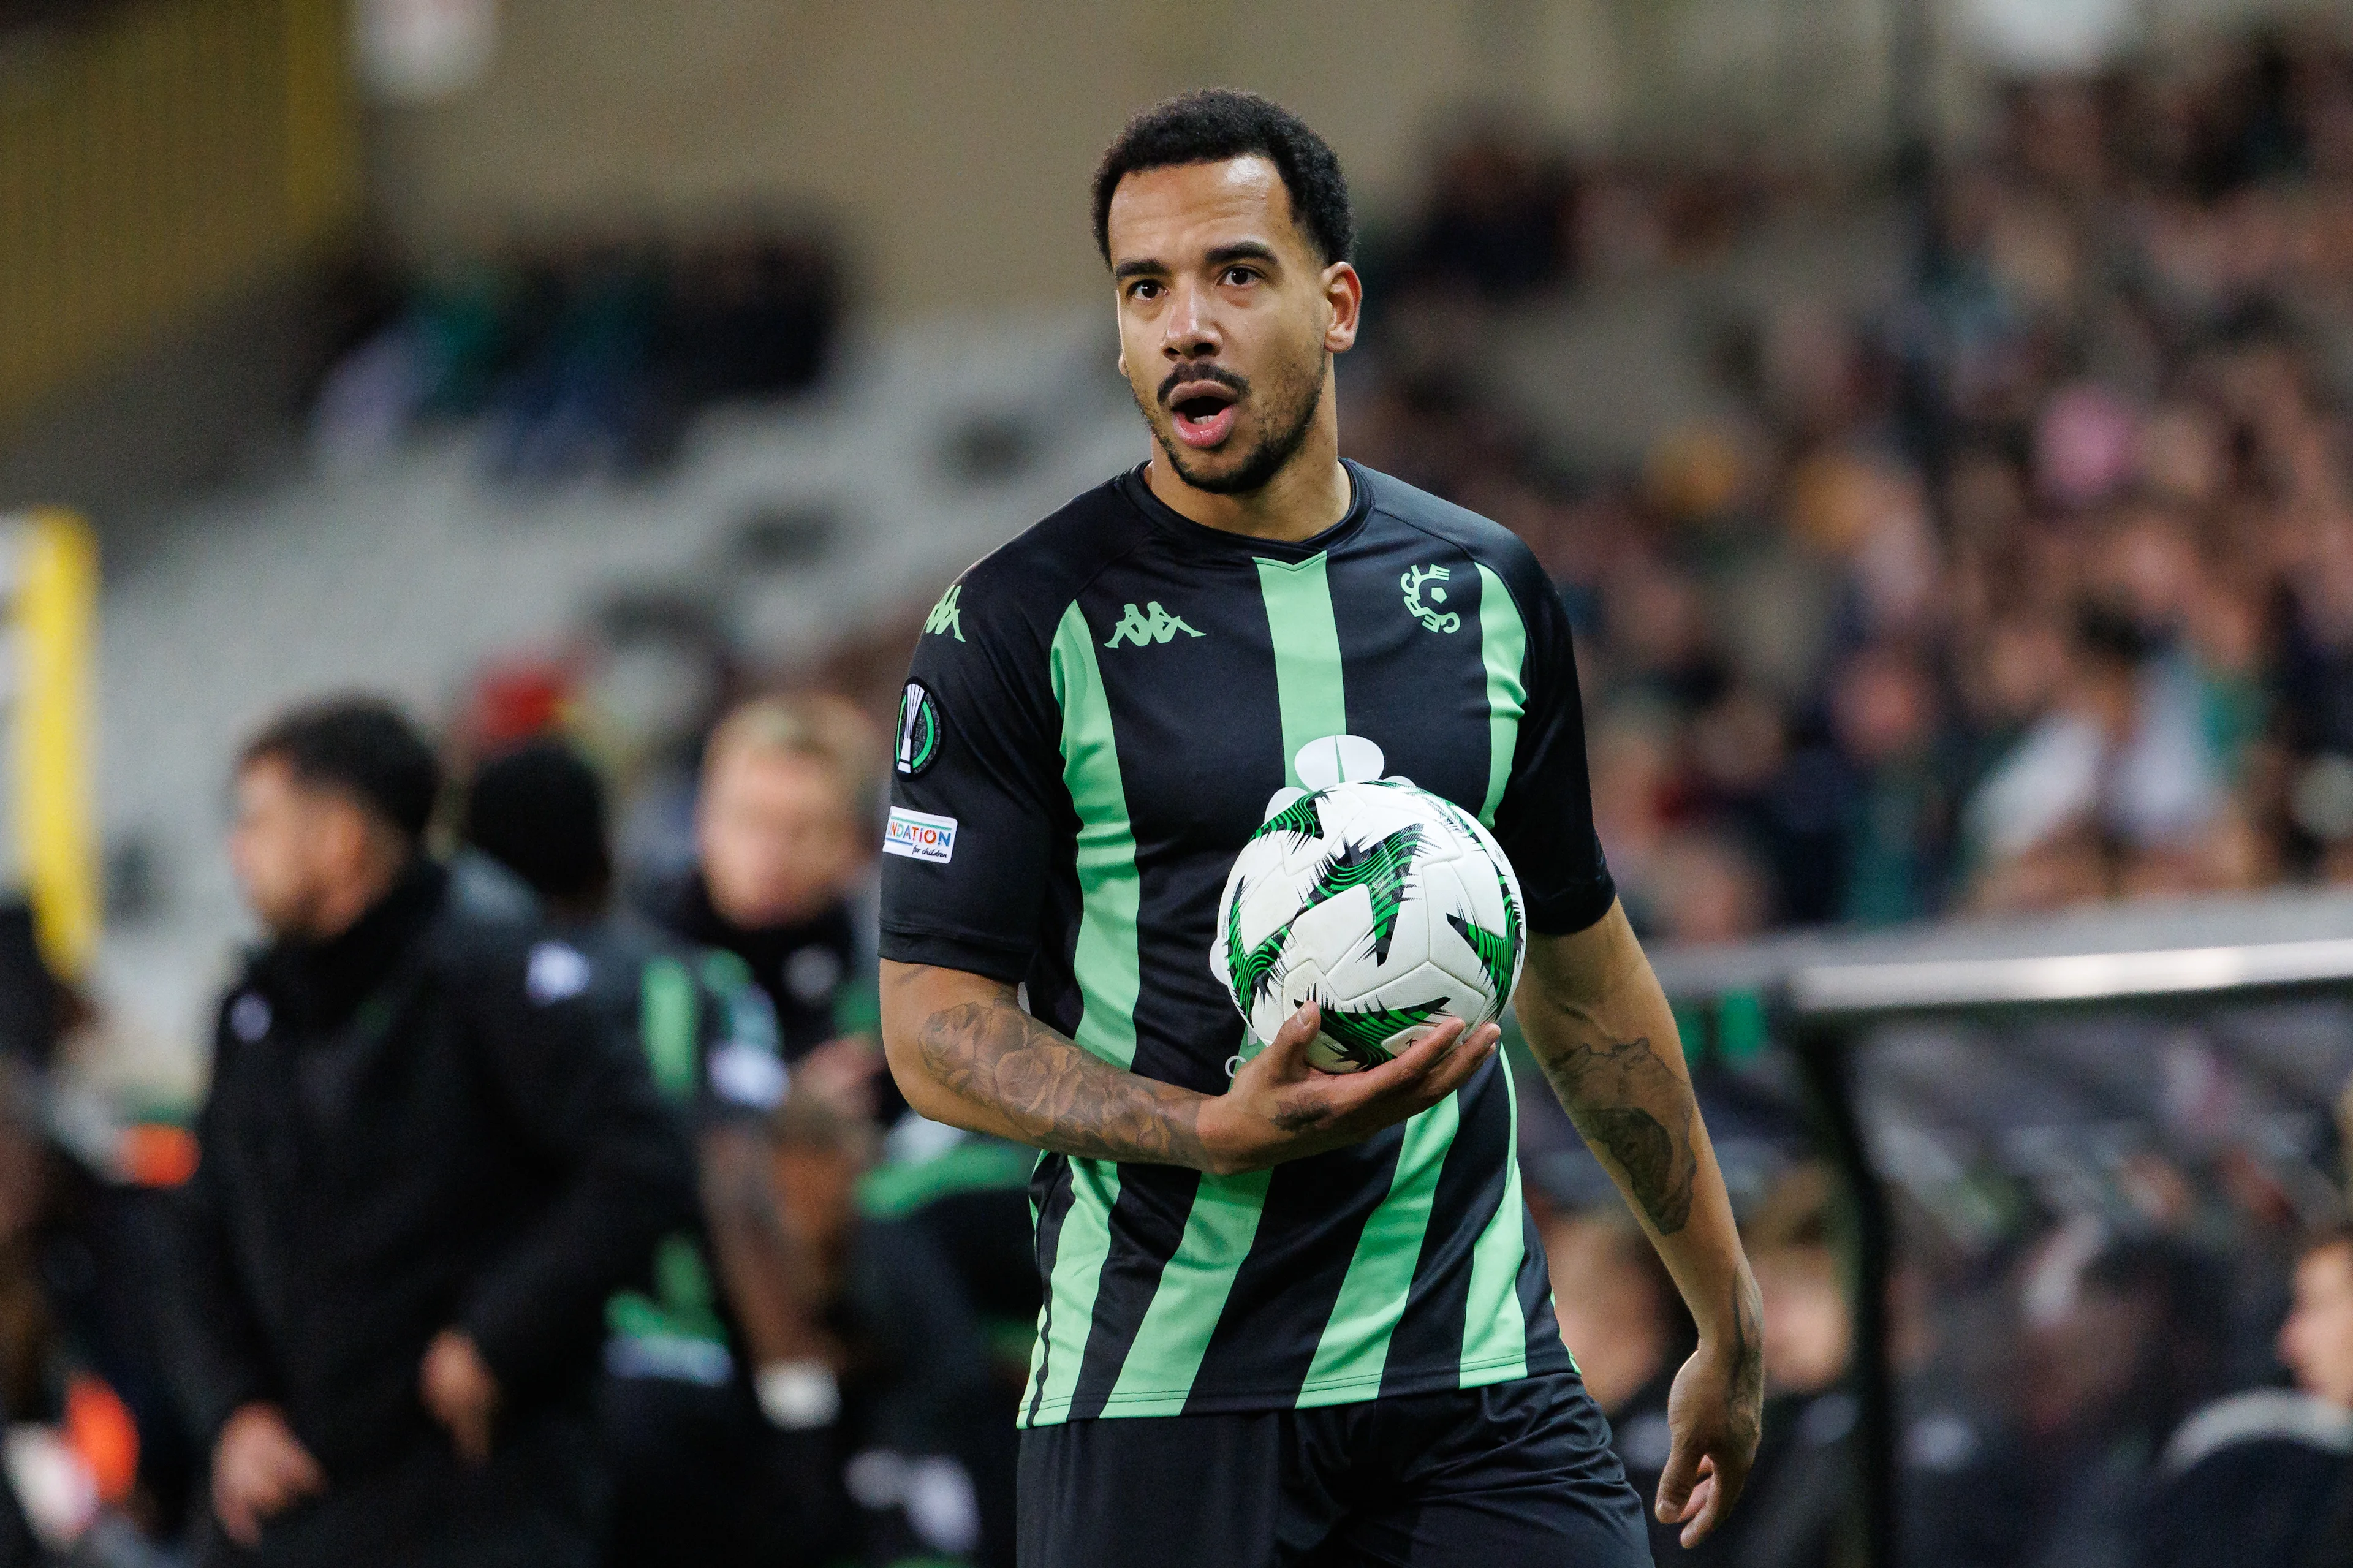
[[2032, 589], [585, 358]]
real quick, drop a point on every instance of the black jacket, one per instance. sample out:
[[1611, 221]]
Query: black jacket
[[420, 1124]]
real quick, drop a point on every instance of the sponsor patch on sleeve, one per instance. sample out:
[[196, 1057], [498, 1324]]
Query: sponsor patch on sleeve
[[919, 835]]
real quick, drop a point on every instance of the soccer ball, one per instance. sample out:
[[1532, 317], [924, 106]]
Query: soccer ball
[[1387, 906]]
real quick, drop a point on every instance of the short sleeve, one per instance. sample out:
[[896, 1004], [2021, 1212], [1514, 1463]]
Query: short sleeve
[[976, 795], [1544, 821]]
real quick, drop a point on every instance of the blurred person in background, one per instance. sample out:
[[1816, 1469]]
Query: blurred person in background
[[722, 1343], [2266, 1477], [920, 1416], [785, 834], [1623, 1321], [2122, 1340], [82, 1480], [1800, 1512], [426, 1161]]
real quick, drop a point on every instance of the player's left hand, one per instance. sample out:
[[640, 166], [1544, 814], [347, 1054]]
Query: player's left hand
[[461, 1391], [1714, 1412]]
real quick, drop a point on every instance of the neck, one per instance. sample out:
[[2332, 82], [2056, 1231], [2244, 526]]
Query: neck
[[1307, 496]]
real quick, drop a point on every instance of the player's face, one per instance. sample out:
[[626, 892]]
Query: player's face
[[777, 837], [1228, 318], [291, 846], [2316, 1340]]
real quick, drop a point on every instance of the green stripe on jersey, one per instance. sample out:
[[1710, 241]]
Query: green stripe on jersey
[[1105, 964], [666, 1026], [1174, 1335], [1355, 1342], [1495, 1326], [1105, 960], [1502, 647], [1069, 1314], [1314, 699], [1186, 1305], [1307, 683]]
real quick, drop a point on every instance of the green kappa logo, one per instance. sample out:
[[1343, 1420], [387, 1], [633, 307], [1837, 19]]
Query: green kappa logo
[[1413, 582], [1150, 625], [919, 730], [944, 620]]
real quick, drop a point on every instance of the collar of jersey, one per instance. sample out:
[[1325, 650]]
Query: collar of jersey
[[1199, 539]]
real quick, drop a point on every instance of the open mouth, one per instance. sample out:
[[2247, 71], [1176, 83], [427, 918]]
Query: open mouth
[[1205, 412]]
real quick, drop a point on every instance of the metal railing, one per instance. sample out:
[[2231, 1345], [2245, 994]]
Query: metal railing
[[1821, 998]]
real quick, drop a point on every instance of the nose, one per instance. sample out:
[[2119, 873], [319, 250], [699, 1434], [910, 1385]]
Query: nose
[[1190, 331]]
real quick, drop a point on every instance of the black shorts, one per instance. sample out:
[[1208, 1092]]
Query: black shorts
[[1485, 1477]]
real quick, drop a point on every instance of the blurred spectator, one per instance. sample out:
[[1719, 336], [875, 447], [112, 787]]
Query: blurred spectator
[[785, 835], [1623, 1321], [2123, 1339], [920, 1416], [2266, 1477], [1798, 1513], [93, 1466], [425, 1164], [724, 1338]]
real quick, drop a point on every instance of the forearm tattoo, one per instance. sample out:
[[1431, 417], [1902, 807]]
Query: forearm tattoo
[[1629, 1102], [1059, 1097], [1747, 1400]]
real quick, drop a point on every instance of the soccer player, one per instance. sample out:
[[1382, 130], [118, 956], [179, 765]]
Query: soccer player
[[1292, 1316]]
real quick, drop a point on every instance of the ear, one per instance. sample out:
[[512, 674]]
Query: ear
[[1343, 296], [1122, 364]]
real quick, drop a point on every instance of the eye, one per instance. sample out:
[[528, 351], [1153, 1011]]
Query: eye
[[1144, 288], [1238, 275]]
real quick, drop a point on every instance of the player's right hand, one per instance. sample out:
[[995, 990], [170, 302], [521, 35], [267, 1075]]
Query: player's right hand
[[259, 1469], [1279, 1108]]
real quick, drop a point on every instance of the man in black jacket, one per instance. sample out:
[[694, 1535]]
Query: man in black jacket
[[426, 1165]]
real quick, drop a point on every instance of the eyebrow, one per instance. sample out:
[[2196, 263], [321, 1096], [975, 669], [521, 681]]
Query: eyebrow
[[1222, 256], [1243, 250]]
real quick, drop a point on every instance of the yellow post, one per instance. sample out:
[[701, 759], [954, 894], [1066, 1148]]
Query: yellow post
[[54, 608]]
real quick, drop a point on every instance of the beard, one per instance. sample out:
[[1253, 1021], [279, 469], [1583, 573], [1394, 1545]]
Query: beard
[[1289, 412]]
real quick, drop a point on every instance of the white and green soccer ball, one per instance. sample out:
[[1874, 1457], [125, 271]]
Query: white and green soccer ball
[[1388, 907]]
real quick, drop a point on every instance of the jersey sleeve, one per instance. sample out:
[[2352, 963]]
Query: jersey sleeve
[[976, 795], [1544, 821]]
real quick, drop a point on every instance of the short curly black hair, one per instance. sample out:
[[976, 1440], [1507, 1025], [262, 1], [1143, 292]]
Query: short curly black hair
[[1217, 124]]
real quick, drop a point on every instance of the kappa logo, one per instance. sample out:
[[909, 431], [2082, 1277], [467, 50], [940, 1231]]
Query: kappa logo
[[1413, 584], [1150, 625], [946, 620]]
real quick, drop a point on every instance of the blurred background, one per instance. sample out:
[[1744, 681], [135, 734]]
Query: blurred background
[[1933, 413]]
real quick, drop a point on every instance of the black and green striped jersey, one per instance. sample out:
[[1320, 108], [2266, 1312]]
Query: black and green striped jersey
[[1096, 717]]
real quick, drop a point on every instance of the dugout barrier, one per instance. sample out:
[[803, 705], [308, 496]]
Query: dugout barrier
[[2055, 1061]]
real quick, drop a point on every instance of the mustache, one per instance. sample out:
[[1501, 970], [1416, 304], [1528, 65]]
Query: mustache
[[1175, 378]]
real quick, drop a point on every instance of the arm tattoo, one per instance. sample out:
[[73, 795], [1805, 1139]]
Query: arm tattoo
[[1059, 1097], [1747, 1392], [1628, 1101]]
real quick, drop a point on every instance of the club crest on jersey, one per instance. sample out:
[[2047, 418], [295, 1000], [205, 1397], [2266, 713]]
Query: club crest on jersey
[[919, 730], [1149, 625], [944, 619], [1414, 582]]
